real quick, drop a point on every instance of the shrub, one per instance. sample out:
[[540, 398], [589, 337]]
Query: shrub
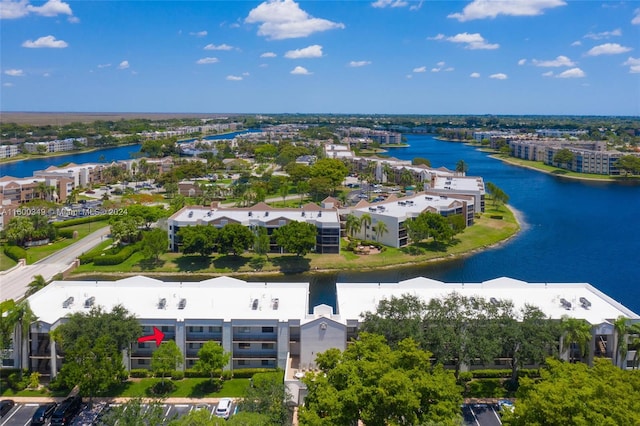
[[465, 376], [14, 252], [486, 388], [57, 385], [227, 375], [491, 373], [177, 375], [34, 380], [17, 382], [80, 220], [116, 259], [66, 233], [193, 374], [247, 373], [139, 373], [162, 388]]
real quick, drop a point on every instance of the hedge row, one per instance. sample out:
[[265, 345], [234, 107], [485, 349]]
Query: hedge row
[[15, 252], [244, 373], [503, 373], [66, 233], [89, 256], [116, 259], [80, 220]]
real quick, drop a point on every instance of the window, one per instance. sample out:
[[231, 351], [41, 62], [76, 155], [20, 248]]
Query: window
[[215, 329], [242, 362], [268, 346], [196, 329], [244, 345], [265, 362], [267, 329], [244, 329], [142, 345], [143, 361]]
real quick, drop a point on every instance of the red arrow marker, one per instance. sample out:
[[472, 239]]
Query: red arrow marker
[[157, 336]]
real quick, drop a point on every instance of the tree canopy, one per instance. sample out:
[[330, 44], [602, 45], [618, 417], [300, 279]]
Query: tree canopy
[[211, 358], [377, 385], [296, 237]]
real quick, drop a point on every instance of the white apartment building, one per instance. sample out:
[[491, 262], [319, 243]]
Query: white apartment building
[[394, 212], [326, 220], [8, 151], [80, 174], [267, 324], [62, 145]]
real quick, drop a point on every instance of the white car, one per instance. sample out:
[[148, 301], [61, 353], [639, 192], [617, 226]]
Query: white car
[[224, 408]]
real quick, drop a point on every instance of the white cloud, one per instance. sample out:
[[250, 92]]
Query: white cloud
[[123, 65], [14, 73], [73, 19], [420, 69], [559, 61], [104, 65], [474, 75], [46, 74], [482, 9], [633, 64], [218, 47], [636, 17], [300, 71], [283, 19], [576, 43], [440, 64], [246, 74], [389, 3], [604, 34], [263, 65], [199, 33], [357, 64], [522, 61], [203, 61], [234, 78], [51, 8], [547, 74], [572, 73], [313, 51], [436, 37], [499, 76], [7, 84], [473, 41], [449, 69], [416, 6], [45, 42], [435, 69], [608, 49], [268, 55], [10, 9]]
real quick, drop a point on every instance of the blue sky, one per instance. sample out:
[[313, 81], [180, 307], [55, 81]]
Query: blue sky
[[283, 56]]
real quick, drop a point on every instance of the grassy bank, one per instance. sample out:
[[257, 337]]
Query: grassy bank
[[495, 225]]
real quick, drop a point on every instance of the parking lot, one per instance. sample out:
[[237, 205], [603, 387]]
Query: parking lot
[[481, 415], [21, 413]]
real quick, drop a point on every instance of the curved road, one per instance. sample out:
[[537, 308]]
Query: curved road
[[13, 285]]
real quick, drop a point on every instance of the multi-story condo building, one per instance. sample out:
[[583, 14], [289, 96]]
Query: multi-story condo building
[[326, 220], [383, 137], [266, 324], [81, 175], [394, 212], [8, 151], [588, 156], [23, 190], [68, 144]]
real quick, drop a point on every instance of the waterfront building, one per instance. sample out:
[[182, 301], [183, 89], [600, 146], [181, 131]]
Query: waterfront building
[[63, 145], [8, 151], [325, 218], [267, 324], [394, 212], [81, 175]]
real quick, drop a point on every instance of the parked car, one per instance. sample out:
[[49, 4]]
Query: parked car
[[66, 411], [43, 413], [5, 406], [224, 408]]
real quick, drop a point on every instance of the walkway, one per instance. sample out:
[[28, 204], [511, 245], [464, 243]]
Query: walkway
[[14, 284]]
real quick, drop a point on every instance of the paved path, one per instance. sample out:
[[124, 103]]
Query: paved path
[[13, 285]]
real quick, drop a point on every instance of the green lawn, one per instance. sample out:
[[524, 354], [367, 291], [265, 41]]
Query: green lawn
[[37, 253], [6, 262], [185, 388], [495, 225]]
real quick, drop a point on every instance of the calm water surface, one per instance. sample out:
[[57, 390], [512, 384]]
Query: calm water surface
[[573, 231]]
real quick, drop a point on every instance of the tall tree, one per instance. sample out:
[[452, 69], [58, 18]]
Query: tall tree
[[576, 395], [379, 386], [267, 395], [365, 222], [380, 229], [462, 166], [235, 238], [36, 285], [155, 242], [201, 239], [211, 359], [296, 237], [563, 156], [396, 319], [577, 335], [352, 224], [620, 328], [166, 358]]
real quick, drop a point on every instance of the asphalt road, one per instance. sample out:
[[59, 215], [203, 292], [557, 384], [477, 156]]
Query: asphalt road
[[481, 415], [13, 285]]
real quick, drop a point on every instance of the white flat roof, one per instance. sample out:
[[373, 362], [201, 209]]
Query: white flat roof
[[356, 298], [260, 213], [459, 183], [222, 298], [410, 206]]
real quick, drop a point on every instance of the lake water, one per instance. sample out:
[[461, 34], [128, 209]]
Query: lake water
[[573, 231]]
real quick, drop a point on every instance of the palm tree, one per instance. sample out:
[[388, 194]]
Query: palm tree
[[578, 332], [365, 222], [406, 177], [284, 191], [380, 229], [634, 343], [352, 224], [461, 167], [620, 329]]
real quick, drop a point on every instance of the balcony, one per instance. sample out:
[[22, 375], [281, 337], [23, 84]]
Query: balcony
[[255, 337]]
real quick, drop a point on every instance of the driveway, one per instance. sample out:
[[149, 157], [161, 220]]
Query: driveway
[[13, 284]]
